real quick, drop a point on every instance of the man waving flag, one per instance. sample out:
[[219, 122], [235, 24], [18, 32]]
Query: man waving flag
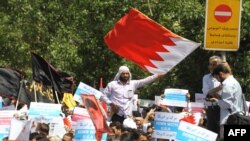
[[148, 44]]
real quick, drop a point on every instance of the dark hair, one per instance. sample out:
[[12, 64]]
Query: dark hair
[[116, 124], [136, 114], [33, 135], [43, 128], [223, 67], [125, 136], [136, 134], [69, 134]]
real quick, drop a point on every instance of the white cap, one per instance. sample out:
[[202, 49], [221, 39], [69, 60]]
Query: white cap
[[129, 123]]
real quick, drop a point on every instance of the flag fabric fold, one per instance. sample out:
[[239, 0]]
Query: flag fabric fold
[[69, 100], [141, 40], [45, 73], [10, 81]]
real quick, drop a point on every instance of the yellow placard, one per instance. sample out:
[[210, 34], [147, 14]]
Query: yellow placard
[[222, 27]]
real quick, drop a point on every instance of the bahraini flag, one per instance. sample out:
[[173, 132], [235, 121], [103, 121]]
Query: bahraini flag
[[141, 40]]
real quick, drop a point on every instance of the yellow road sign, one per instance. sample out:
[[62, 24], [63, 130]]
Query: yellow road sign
[[222, 27]]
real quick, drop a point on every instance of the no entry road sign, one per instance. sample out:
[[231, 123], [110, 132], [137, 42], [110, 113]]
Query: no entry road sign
[[223, 13], [222, 27]]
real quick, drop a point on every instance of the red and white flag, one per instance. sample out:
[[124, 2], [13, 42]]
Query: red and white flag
[[156, 49]]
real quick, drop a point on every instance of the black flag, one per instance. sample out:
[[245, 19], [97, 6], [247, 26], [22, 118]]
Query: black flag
[[46, 74], [10, 81], [35, 92]]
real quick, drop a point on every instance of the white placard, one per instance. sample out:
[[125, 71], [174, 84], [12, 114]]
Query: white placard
[[44, 112], [175, 97], [85, 89], [191, 132], [85, 131], [166, 125], [20, 129]]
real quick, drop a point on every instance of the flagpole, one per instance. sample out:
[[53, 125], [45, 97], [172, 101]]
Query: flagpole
[[35, 91], [57, 97], [53, 86], [19, 91]]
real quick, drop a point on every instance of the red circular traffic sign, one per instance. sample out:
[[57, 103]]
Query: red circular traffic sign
[[223, 13]]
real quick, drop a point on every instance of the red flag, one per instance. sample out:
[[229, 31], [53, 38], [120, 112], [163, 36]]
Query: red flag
[[189, 119], [148, 44], [95, 114]]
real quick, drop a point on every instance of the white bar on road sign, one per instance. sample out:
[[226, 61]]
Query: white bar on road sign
[[220, 13]]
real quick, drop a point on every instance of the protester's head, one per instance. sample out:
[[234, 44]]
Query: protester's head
[[126, 136], [5, 139], [54, 138], [138, 119], [213, 62], [43, 129], [138, 135], [68, 137], [116, 128], [33, 136], [123, 74], [150, 130], [221, 72], [13, 100]]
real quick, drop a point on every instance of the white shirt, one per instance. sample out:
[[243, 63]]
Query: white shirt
[[208, 83], [231, 98], [122, 94]]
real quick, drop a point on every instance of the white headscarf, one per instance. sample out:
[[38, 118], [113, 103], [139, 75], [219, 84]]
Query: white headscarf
[[121, 70], [129, 123]]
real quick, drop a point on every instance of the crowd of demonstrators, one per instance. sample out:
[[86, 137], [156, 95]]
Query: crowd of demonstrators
[[139, 127], [129, 125]]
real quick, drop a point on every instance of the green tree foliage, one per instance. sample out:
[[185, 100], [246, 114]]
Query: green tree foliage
[[69, 35]]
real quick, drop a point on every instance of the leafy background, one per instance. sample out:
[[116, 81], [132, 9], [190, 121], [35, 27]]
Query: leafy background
[[69, 35]]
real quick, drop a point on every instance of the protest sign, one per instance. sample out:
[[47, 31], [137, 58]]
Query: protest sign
[[85, 131], [175, 97], [5, 122], [190, 132], [166, 125], [85, 89]]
